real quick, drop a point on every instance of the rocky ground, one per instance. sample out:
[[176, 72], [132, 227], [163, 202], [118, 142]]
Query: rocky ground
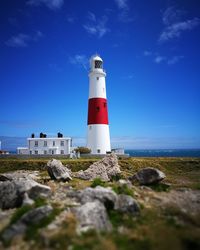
[[125, 204]]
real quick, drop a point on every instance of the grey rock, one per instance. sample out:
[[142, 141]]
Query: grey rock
[[112, 166], [92, 215], [30, 218], [104, 195], [104, 169], [57, 171], [148, 176], [126, 204], [123, 182], [12, 190], [27, 200], [10, 196]]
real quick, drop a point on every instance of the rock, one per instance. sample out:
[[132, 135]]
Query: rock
[[111, 164], [57, 171], [12, 190], [92, 215], [104, 169], [123, 182], [10, 196], [27, 200], [30, 218], [92, 173], [148, 176], [126, 204], [104, 195]]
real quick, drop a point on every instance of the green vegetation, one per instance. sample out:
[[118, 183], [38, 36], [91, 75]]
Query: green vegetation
[[19, 213], [26, 208], [32, 230], [82, 150], [160, 187], [122, 189], [98, 182]]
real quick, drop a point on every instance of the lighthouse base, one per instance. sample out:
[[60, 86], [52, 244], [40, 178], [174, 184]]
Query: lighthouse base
[[98, 138]]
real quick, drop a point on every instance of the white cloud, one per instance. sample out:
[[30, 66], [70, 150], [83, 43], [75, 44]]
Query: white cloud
[[55, 67], [128, 77], [171, 15], [130, 142], [71, 19], [23, 40], [80, 60], [51, 4], [176, 29], [159, 59], [147, 53], [91, 16], [174, 59], [97, 27], [20, 40], [122, 4]]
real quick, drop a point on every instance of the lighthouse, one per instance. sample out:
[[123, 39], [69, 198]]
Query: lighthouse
[[98, 135]]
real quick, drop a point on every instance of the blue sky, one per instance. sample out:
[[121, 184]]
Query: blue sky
[[151, 55]]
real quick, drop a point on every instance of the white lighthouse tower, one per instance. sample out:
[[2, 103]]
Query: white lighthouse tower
[[98, 136]]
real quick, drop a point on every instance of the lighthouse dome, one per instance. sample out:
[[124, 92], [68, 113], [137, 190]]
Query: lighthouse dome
[[96, 57], [96, 62]]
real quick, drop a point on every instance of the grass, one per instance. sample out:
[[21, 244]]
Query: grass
[[98, 182], [160, 187], [180, 172], [19, 213], [122, 189]]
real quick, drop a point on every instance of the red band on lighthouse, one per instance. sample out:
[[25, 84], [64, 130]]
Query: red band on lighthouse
[[97, 111]]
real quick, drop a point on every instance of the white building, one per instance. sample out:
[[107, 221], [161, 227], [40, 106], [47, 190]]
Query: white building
[[118, 151], [98, 135], [47, 146]]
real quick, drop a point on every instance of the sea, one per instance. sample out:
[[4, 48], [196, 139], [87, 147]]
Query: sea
[[163, 152], [159, 152]]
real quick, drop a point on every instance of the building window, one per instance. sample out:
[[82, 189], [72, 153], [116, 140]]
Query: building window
[[54, 143], [62, 152], [30, 152], [36, 152], [90, 127], [36, 143], [98, 108], [45, 143], [45, 152], [62, 143], [98, 64], [104, 104], [97, 78], [98, 151], [52, 152]]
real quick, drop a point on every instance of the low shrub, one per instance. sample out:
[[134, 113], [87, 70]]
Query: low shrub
[[98, 182]]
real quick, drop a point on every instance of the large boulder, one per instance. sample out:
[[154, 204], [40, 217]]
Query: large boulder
[[16, 187], [147, 176], [30, 218], [105, 169], [126, 204], [10, 196], [92, 215], [104, 195], [57, 171]]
